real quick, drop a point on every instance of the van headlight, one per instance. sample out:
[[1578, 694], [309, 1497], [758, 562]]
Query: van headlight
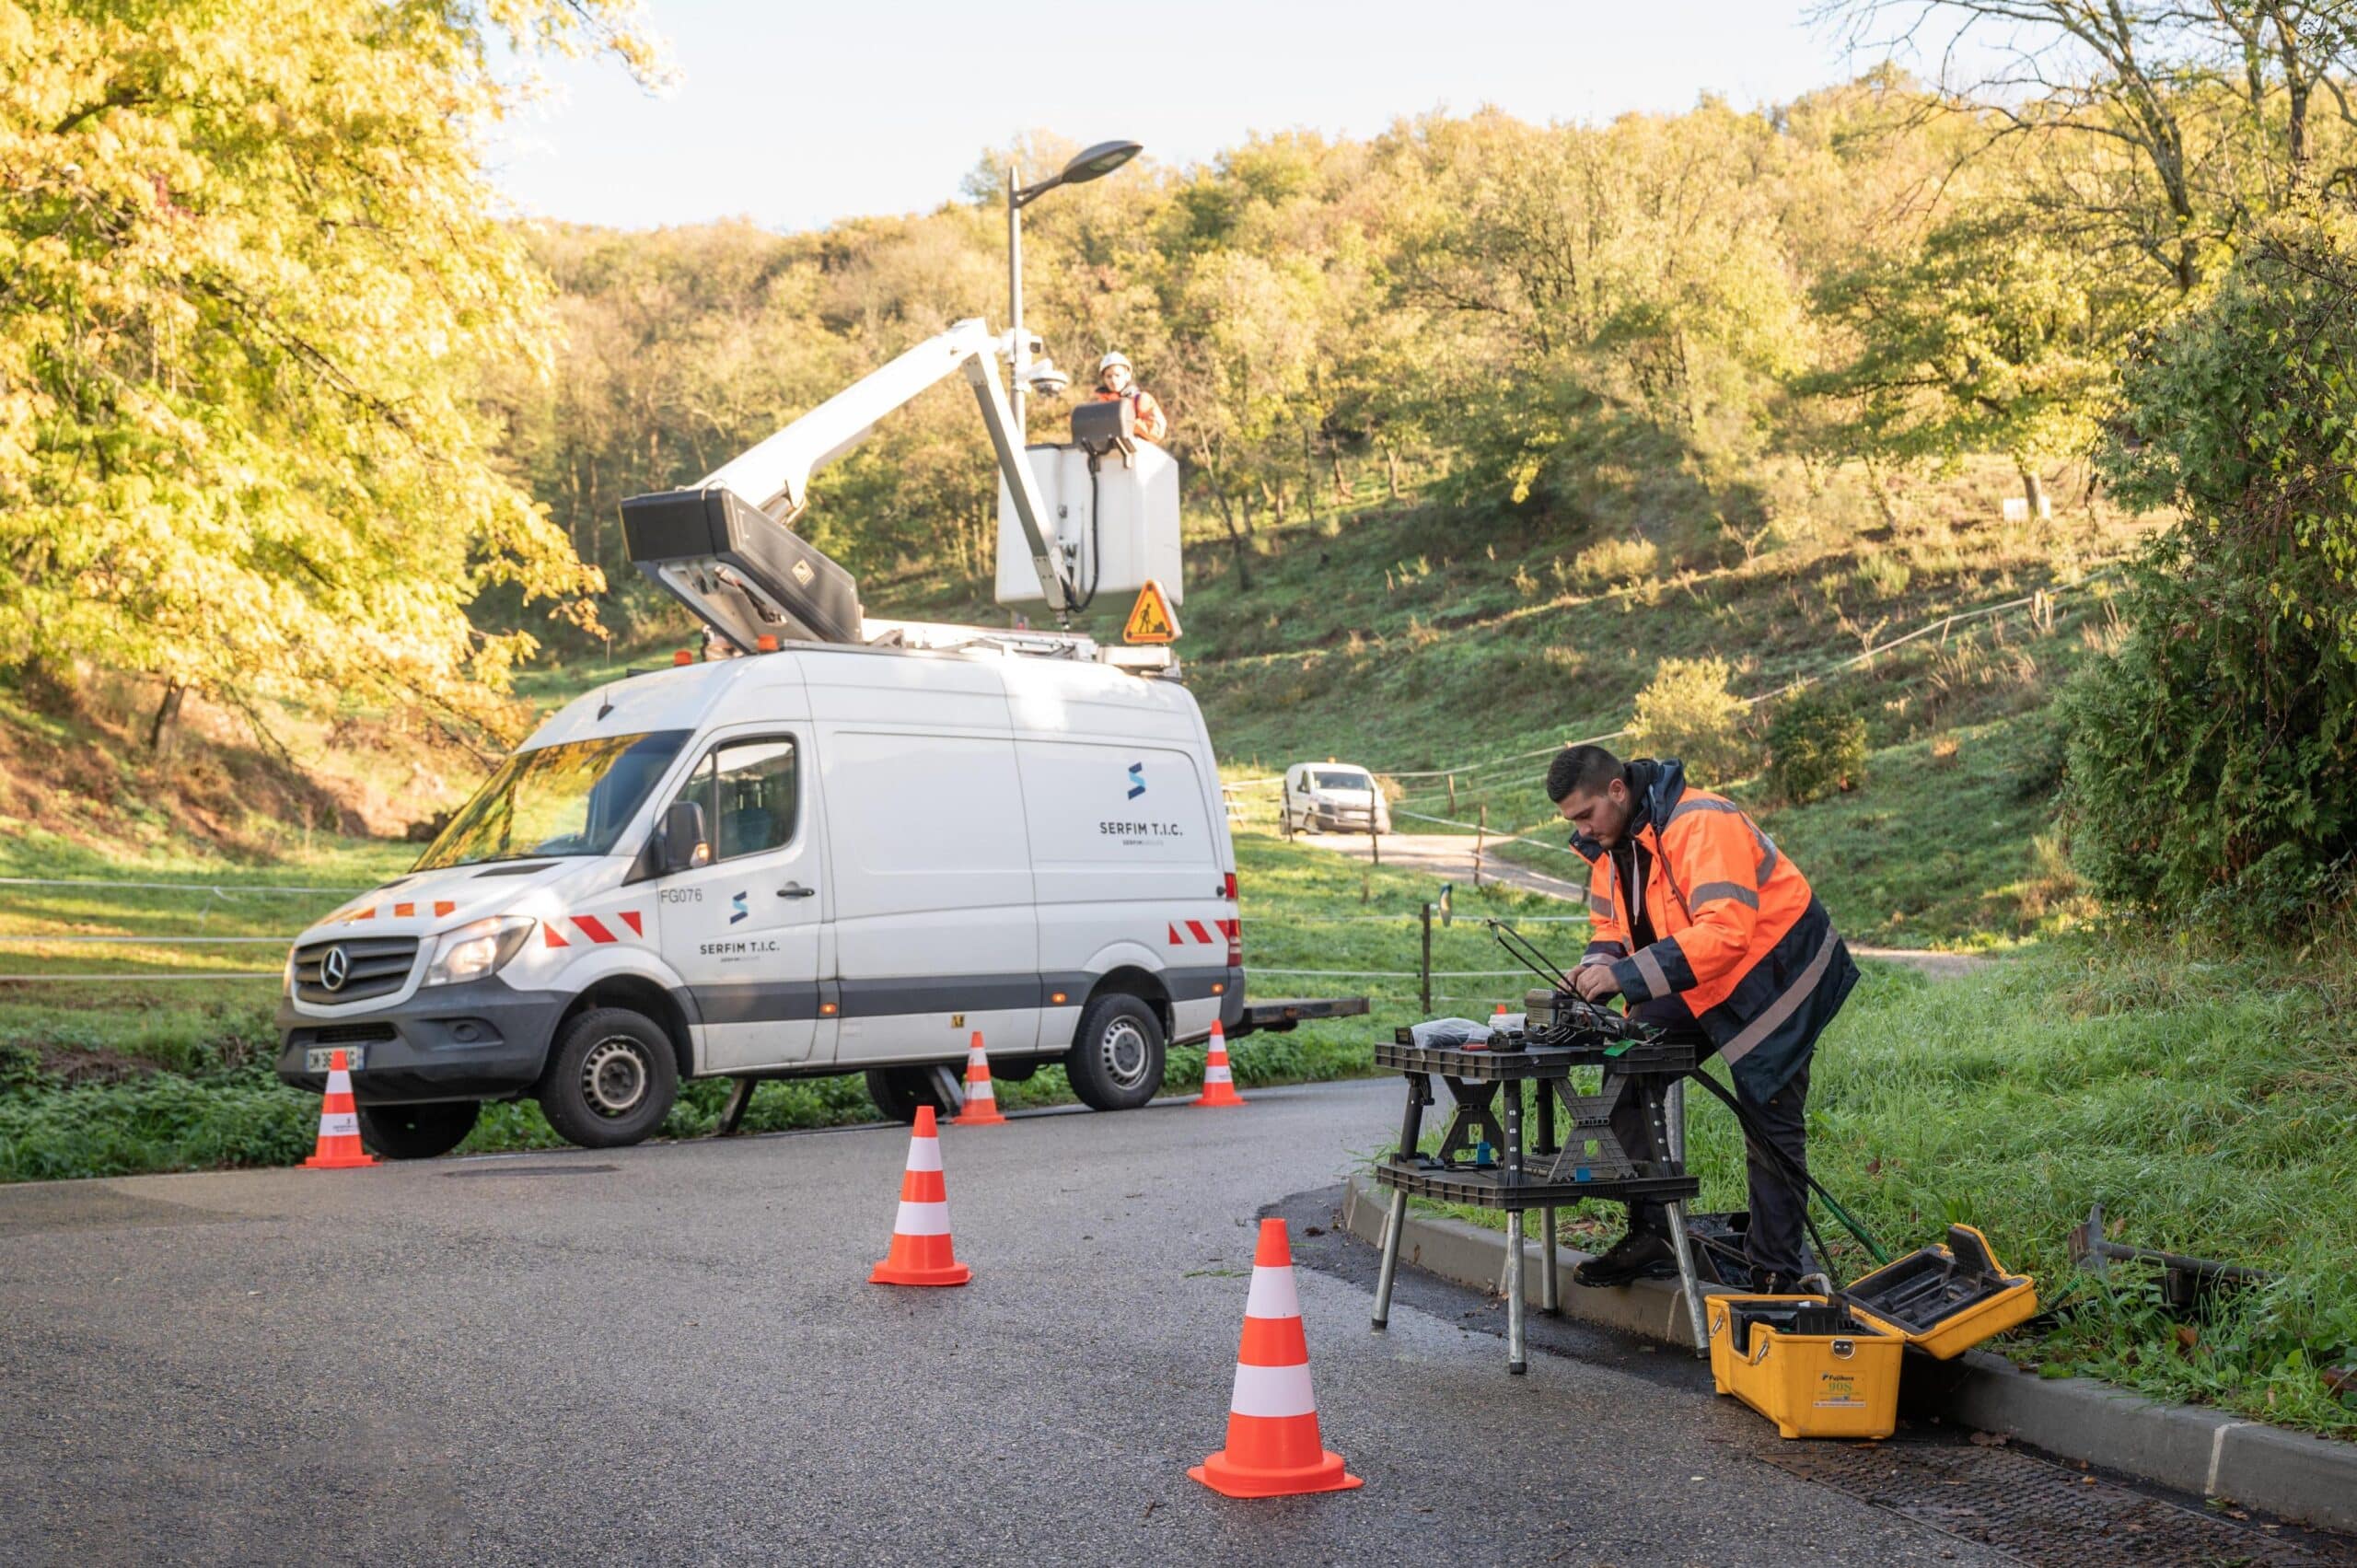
[[477, 949]]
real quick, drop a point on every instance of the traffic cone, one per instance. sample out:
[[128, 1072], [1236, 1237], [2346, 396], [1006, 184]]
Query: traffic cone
[[1274, 1448], [1219, 1085], [339, 1145], [921, 1251], [982, 1100]]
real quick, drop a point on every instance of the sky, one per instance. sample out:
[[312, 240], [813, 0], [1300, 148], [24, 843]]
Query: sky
[[796, 114]]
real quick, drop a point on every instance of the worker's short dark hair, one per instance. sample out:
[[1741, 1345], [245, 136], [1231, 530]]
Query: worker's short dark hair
[[1587, 769]]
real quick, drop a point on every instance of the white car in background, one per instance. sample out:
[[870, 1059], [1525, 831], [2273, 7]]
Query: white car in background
[[1333, 797]]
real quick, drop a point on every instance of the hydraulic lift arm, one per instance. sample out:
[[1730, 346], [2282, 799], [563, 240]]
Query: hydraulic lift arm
[[775, 475]]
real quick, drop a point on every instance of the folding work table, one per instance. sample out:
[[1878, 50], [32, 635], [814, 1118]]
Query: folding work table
[[1482, 1160]]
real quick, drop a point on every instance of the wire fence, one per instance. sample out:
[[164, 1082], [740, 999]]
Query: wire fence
[[2039, 602]]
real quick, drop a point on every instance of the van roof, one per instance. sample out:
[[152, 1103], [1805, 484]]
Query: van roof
[[691, 696]]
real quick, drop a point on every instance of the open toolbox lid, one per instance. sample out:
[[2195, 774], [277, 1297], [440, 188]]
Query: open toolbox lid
[[1944, 1300]]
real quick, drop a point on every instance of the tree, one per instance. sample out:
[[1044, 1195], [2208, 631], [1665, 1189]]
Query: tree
[[251, 277], [2214, 759], [1986, 338], [2166, 125]]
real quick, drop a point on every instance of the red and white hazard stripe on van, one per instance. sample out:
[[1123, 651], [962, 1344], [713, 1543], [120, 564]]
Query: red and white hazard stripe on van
[[1212, 932], [589, 926]]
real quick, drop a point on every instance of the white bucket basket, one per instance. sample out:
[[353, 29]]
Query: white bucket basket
[[1135, 537]]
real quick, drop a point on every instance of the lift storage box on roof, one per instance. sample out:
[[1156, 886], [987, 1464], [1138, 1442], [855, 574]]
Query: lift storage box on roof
[[739, 570]]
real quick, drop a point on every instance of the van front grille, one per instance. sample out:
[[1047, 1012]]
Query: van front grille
[[373, 965]]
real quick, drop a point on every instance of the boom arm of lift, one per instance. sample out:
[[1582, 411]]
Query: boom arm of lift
[[775, 475]]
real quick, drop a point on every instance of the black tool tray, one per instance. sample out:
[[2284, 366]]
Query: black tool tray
[[1944, 1299], [1789, 1316]]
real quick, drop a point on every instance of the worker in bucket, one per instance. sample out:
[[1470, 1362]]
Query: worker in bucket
[[1708, 929], [1116, 383]]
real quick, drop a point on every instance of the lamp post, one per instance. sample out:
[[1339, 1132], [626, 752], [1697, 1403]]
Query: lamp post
[[1092, 163]]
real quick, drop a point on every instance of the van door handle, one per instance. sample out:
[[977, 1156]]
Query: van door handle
[[796, 891]]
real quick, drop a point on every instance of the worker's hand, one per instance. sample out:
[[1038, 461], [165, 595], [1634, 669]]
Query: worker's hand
[[1593, 981]]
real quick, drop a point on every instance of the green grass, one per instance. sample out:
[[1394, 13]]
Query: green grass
[[2210, 1107]]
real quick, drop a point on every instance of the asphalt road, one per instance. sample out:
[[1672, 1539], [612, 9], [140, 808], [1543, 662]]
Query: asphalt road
[[669, 1353]]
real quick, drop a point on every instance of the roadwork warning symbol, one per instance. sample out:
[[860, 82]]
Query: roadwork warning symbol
[[1151, 619]]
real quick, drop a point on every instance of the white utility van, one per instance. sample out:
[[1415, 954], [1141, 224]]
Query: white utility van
[[809, 861], [1334, 797]]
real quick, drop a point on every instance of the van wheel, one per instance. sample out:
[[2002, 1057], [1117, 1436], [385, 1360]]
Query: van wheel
[[612, 1079], [418, 1131], [1116, 1060], [898, 1091]]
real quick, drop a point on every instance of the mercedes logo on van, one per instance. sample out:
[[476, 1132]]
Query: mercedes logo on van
[[335, 967]]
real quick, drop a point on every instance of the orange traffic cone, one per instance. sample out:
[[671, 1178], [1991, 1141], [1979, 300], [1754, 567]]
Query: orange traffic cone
[[982, 1100], [921, 1252], [1274, 1448], [1219, 1085], [339, 1145]]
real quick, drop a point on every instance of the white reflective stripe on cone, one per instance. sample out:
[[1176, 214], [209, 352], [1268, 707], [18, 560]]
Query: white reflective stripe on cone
[[1215, 1073], [981, 1090], [975, 1057], [1272, 1293], [338, 1082], [924, 1154], [922, 1219], [1273, 1390], [339, 1124]]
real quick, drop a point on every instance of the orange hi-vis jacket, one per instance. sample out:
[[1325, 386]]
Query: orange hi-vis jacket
[[1740, 940], [1153, 425]]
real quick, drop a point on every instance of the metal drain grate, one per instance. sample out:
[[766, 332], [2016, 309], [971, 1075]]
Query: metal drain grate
[[2036, 1510]]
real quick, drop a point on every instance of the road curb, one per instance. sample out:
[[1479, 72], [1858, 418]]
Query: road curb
[[2292, 1475]]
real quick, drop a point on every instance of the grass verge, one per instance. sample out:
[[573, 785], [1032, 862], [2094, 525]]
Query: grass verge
[[2210, 1107]]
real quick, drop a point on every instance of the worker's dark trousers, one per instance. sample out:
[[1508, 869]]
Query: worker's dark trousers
[[1779, 1200]]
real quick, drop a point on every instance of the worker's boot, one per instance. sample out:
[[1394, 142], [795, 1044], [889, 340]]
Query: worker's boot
[[1640, 1255]]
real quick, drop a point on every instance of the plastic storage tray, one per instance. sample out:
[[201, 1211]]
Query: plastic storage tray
[[1944, 1300]]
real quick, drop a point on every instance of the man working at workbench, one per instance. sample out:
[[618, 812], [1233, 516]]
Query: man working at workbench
[[1707, 930]]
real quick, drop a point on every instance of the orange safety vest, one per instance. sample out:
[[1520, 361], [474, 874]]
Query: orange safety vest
[[1740, 939], [1152, 424]]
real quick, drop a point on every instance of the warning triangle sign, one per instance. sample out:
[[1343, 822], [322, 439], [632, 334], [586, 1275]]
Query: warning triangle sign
[[1151, 619]]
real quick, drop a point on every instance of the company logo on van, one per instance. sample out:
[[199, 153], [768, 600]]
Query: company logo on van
[[1137, 780], [736, 908]]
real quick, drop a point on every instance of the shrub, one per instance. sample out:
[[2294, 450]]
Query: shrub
[[1689, 712], [1816, 747], [2210, 757], [1614, 562]]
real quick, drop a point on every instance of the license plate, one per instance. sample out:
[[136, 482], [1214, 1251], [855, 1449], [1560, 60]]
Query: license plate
[[319, 1058]]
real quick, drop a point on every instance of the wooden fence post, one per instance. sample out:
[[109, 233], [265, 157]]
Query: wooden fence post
[[1425, 992], [1478, 837]]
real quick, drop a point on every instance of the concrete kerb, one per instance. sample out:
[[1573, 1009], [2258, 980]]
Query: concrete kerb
[[2310, 1480]]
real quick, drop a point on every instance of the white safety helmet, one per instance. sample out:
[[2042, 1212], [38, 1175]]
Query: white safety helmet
[[1110, 360]]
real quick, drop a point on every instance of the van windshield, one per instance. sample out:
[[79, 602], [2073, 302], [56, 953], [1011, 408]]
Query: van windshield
[[1328, 778], [571, 798]]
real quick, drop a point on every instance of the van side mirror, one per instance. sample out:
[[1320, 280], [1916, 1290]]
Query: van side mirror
[[683, 843]]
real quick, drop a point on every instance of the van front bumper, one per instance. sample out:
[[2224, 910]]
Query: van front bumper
[[484, 1039]]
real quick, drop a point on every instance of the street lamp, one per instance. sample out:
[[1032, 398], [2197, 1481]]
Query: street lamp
[[1090, 163]]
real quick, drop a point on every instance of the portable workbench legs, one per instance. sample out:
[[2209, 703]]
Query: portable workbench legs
[[1666, 1137]]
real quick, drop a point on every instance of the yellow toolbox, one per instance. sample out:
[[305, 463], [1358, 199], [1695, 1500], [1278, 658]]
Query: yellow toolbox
[[1827, 1366]]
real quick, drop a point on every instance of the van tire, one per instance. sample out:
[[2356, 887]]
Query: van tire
[[898, 1091], [612, 1079], [418, 1131], [1116, 1056]]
